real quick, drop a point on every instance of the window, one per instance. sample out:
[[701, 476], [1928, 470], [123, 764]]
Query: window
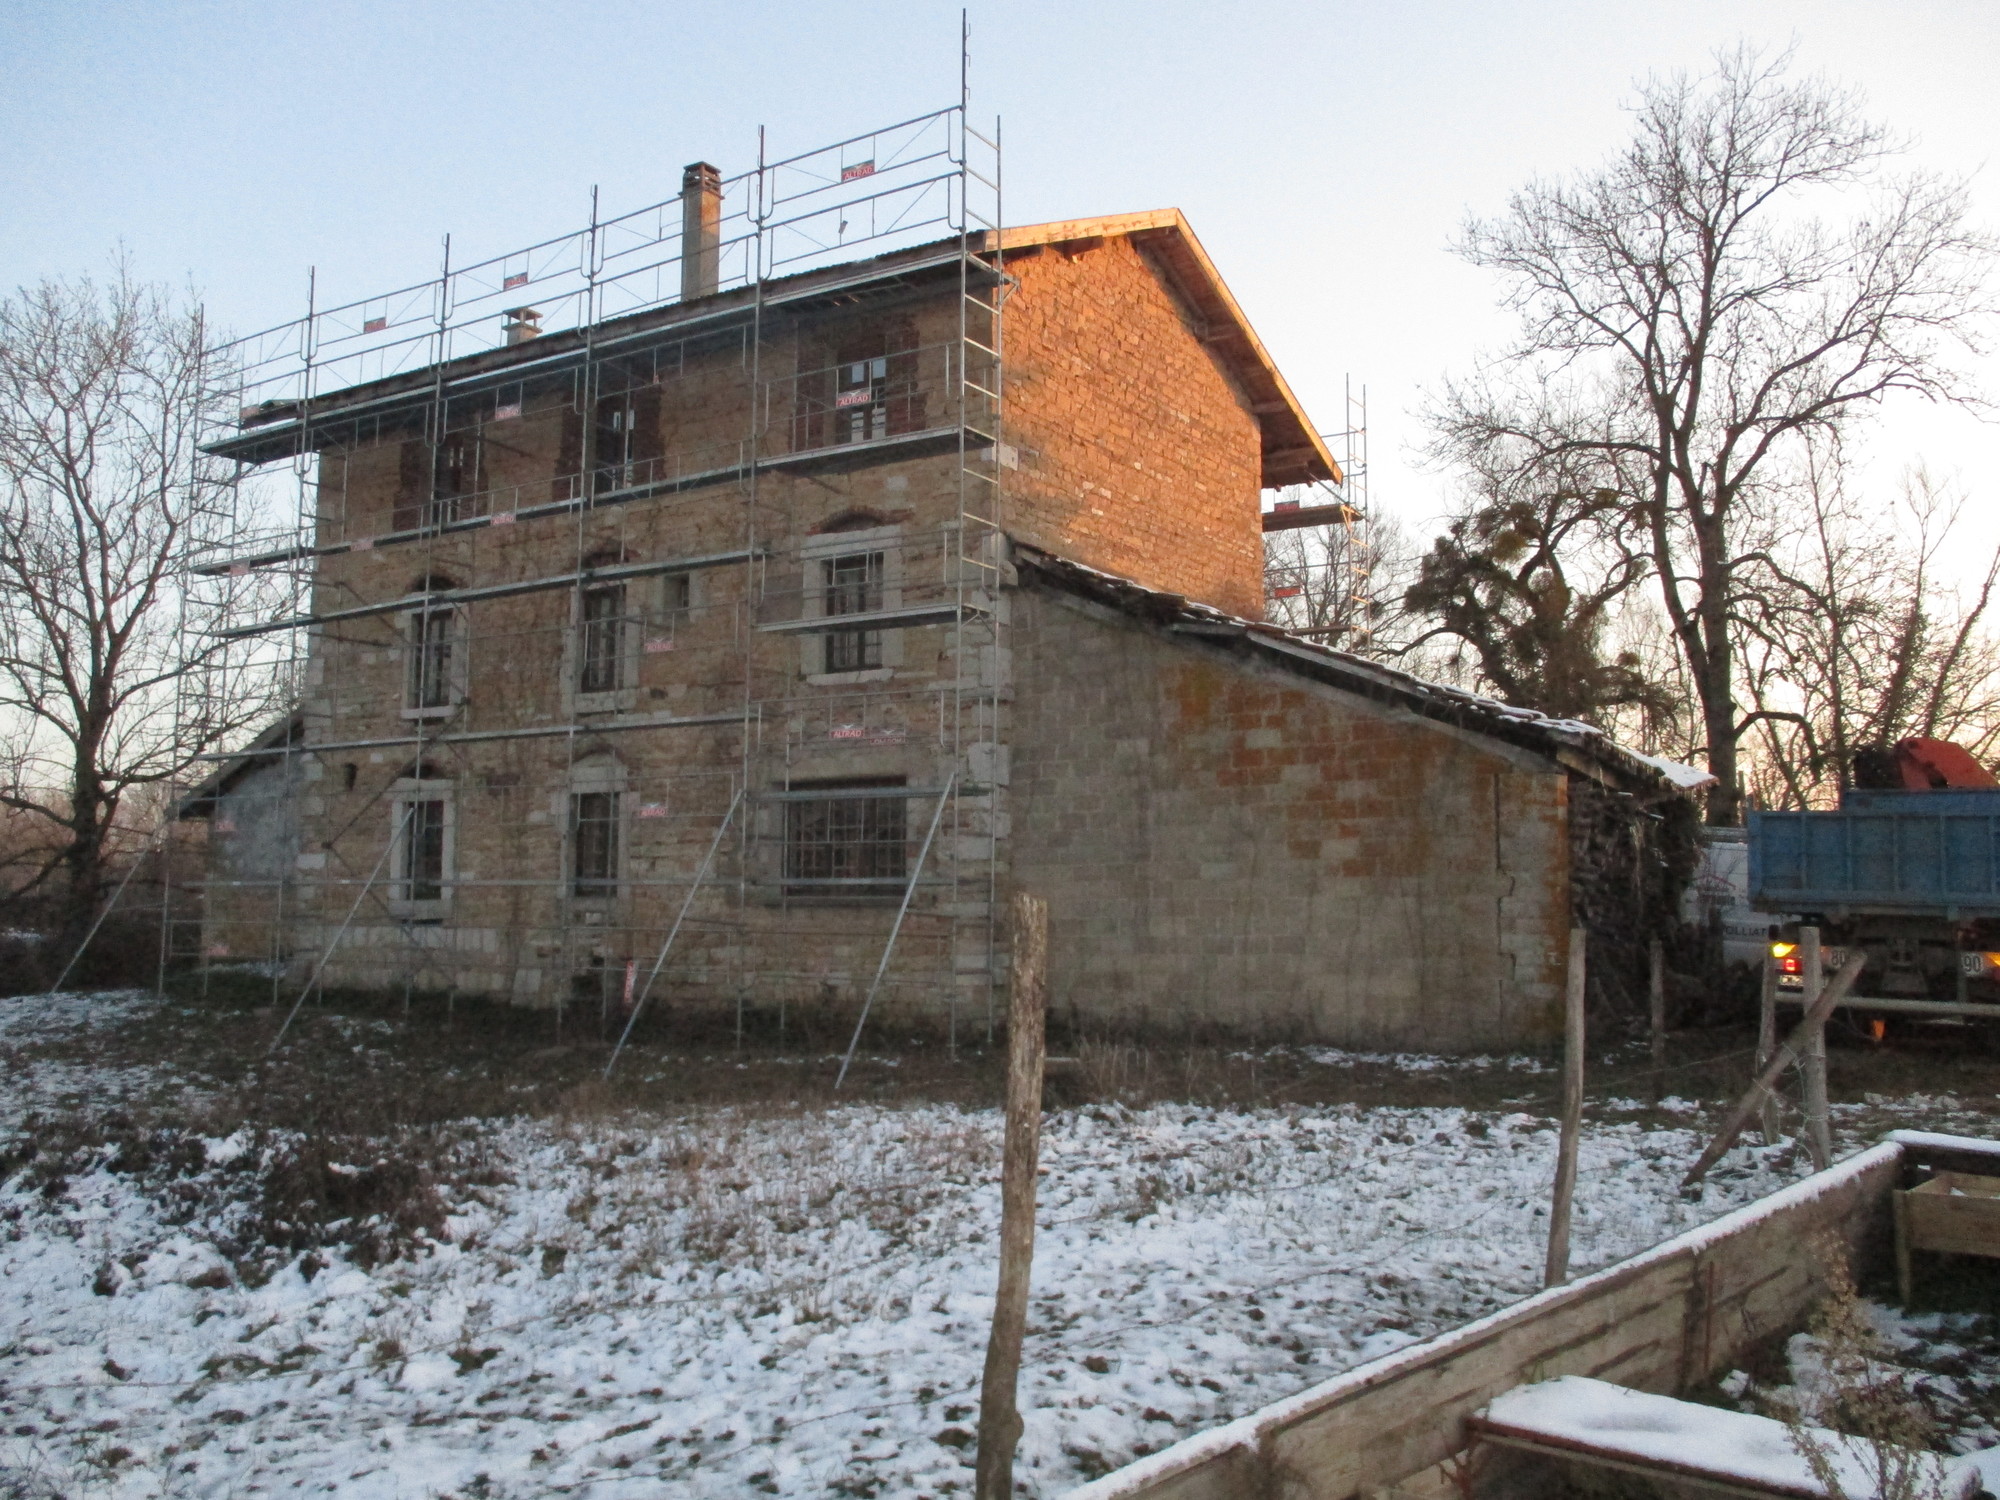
[[845, 841], [853, 586], [454, 479], [430, 683], [421, 834], [593, 820], [423, 867], [860, 407], [601, 640], [616, 430]]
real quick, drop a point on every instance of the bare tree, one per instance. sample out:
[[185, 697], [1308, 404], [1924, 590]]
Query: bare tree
[[1342, 584], [105, 491], [1859, 637], [1689, 322]]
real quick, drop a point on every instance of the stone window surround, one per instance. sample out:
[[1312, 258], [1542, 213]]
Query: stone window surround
[[596, 773], [460, 638], [652, 608], [815, 554], [404, 791]]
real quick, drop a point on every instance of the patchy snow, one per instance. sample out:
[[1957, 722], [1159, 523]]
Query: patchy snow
[[35, 1083], [1945, 1363], [791, 1303], [726, 1302], [1615, 1422], [1421, 1062]]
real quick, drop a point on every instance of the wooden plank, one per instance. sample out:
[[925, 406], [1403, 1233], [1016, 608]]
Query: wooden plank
[[1569, 1454], [1309, 515], [1637, 1323], [1962, 1222]]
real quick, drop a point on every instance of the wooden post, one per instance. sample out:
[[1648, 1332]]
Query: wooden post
[[1792, 1051], [1767, 1044], [1556, 1271], [1656, 994], [1819, 1140], [1899, 1201], [999, 1419]]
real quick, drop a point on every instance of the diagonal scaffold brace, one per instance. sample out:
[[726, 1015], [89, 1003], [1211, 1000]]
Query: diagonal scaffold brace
[[666, 947], [889, 948]]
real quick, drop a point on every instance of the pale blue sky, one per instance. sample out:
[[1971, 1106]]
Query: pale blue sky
[[1325, 153]]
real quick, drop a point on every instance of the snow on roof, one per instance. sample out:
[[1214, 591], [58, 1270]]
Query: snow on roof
[[1687, 778], [1611, 1420]]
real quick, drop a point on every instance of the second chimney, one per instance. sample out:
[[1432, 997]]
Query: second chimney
[[701, 230]]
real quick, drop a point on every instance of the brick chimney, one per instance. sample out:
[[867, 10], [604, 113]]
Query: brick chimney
[[523, 323], [701, 230]]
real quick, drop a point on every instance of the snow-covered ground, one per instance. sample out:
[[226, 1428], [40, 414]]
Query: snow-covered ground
[[771, 1301]]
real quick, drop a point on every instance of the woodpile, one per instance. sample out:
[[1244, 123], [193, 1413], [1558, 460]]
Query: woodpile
[[1630, 860]]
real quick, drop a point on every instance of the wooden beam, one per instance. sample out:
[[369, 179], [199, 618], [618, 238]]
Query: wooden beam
[[1308, 515]]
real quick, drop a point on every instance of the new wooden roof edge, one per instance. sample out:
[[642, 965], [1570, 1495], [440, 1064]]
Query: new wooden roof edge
[[1203, 283]]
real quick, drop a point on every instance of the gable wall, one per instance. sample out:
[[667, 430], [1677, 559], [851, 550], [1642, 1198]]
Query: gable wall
[[1139, 454], [1222, 844]]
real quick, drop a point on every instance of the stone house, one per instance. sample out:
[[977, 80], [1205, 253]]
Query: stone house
[[763, 641]]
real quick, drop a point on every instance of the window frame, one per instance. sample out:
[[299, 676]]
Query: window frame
[[594, 653], [866, 420], [458, 500], [608, 475], [631, 627], [597, 776], [821, 554], [606, 879], [414, 626], [407, 793]]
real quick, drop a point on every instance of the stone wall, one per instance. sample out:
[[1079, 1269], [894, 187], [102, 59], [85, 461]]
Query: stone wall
[[1129, 448], [1226, 845]]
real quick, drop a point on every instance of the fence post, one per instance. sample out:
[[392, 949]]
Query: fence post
[[1656, 994], [1819, 1140], [1767, 1044], [1557, 1269], [999, 1418]]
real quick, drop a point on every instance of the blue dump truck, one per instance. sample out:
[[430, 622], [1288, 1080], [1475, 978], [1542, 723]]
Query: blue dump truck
[[1910, 873]]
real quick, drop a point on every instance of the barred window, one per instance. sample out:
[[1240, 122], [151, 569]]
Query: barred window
[[429, 680], [846, 840], [422, 872], [593, 843], [601, 647], [853, 587]]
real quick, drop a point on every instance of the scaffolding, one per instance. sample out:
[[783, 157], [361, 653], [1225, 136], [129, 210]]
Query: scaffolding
[[1320, 577], [593, 736]]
